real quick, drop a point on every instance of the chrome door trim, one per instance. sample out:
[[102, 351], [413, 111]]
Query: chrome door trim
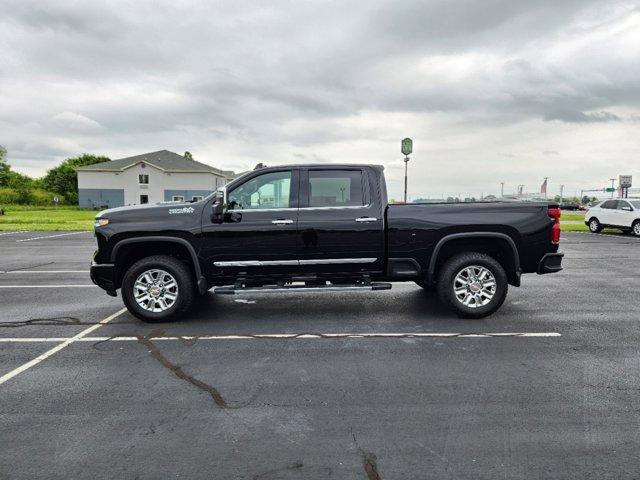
[[266, 263], [332, 261], [366, 219], [284, 221]]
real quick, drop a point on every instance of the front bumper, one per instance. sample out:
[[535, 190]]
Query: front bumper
[[550, 263], [104, 275]]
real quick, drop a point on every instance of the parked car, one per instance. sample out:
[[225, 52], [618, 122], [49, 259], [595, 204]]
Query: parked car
[[320, 228], [569, 206], [622, 214]]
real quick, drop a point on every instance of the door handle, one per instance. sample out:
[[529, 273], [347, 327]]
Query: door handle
[[366, 219], [282, 222]]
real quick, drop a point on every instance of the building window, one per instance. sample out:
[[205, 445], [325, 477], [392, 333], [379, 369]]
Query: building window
[[143, 179], [196, 198], [144, 199], [177, 198]]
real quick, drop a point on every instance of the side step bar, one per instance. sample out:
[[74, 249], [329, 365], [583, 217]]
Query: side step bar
[[232, 290]]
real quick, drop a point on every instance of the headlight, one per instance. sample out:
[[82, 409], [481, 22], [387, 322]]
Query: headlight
[[100, 222]]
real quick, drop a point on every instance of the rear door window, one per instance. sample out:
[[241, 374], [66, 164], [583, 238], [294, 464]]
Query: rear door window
[[335, 188]]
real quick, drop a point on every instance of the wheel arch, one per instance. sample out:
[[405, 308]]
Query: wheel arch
[[127, 251], [500, 246]]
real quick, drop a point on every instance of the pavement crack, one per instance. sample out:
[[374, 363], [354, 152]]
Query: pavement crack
[[27, 267], [55, 321], [274, 473], [177, 371], [369, 460], [45, 321]]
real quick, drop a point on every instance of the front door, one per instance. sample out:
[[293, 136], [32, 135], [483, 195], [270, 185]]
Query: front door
[[625, 214], [258, 234], [340, 221]]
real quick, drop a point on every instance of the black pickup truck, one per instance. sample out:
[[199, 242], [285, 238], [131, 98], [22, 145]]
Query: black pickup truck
[[319, 228]]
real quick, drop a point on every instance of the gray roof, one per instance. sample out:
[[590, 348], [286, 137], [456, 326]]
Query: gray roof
[[162, 159]]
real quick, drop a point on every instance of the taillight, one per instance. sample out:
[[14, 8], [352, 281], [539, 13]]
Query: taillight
[[555, 213]]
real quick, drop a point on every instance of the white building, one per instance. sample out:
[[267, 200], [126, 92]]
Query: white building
[[154, 177]]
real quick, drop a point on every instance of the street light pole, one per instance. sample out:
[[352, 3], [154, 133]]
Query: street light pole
[[561, 192], [501, 189], [406, 164], [613, 181]]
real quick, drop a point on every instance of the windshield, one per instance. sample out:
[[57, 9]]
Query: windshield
[[635, 203]]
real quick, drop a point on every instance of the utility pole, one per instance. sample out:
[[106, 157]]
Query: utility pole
[[613, 181], [546, 186], [406, 149], [501, 189], [561, 192]]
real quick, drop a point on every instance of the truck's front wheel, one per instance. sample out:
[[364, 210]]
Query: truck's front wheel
[[158, 288], [472, 284]]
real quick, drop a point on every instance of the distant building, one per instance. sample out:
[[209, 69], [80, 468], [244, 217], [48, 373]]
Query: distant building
[[161, 176]]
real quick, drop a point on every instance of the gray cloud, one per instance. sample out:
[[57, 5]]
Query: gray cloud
[[581, 117], [241, 82]]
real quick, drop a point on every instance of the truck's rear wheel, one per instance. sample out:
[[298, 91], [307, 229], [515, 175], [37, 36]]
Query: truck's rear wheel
[[472, 284], [158, 288]]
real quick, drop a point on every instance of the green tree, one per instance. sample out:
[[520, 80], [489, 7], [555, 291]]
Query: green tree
[[5, 169], [63, 179]]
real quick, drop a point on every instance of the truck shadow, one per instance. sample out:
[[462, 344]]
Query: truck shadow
[[408, 308]]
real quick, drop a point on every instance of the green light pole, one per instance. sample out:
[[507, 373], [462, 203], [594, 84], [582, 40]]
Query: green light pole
[[406, 149]]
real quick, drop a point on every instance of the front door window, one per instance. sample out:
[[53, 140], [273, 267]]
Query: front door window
[[268, 191]]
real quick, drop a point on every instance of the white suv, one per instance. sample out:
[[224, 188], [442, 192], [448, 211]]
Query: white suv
[[622, 214]]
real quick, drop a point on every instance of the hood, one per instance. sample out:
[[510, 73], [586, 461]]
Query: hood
[[157, 217]]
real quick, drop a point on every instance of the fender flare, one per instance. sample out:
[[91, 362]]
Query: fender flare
[[454, 236], [201, 281]]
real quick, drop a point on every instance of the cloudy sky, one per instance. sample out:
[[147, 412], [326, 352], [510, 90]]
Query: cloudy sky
[[490, 91]]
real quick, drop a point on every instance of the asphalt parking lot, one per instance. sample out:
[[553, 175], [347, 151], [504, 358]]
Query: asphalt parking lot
[[372, 385]]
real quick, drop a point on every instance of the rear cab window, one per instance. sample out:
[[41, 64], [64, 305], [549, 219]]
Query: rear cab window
[[336, 188]]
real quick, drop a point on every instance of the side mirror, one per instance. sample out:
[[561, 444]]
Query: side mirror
[[217, 208]]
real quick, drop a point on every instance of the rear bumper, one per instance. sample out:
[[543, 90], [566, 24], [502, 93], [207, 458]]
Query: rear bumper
[[103, 275], [550, 263]]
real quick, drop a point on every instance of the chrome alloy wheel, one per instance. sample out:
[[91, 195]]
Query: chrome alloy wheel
[[593, 225], [636, 229], [474, 286], [155, 290]]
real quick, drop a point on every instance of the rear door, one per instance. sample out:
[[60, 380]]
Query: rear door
[[607, 213], [340, 221]]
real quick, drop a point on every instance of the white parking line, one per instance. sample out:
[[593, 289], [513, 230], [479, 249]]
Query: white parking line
[[48, 286], [49, 236], [59, 347], [11, 233], [296, 336]]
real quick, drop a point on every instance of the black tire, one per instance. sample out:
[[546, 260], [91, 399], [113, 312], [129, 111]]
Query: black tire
[[455, 265], [186, 291], [635, 228], [594, 225]]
